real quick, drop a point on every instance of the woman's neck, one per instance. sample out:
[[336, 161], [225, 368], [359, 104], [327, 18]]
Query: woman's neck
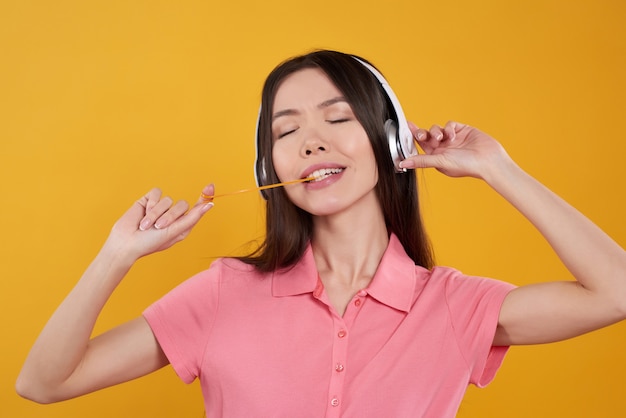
[[348, 246]]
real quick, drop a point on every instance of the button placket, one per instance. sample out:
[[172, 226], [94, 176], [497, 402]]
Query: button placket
[[337, 377]]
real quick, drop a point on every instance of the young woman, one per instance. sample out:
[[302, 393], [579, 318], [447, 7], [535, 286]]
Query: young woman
[[341, 311]]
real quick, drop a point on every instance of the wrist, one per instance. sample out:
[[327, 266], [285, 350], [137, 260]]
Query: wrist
[[116, 256], [501, 171]]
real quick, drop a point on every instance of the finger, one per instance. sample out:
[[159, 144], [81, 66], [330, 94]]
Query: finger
[[430, 140], [158, 208], [424, 141], [173, 213], [181, 227], [152, 198], [145, 204], [424, 161], [202, 206], [421, 136], [206, 195], [449, 132], [436, 133], [413, 128], [149, 199], [452, 128]]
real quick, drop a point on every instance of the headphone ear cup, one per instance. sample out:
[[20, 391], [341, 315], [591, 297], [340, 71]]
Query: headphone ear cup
[[261, 173], [260, 166], [394, 142], [261, 176]]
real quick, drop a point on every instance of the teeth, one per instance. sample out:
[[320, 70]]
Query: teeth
[[323, 173]]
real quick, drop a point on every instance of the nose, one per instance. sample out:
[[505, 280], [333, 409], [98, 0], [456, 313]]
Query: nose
[[311, 150], [314, 144]]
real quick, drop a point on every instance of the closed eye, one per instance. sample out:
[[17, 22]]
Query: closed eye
[[333, 121], [284, 134]]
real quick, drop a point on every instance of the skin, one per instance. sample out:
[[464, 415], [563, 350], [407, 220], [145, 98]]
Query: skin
[[64, 362], [348, 242], [349, 235], [545, 312], [313, 122]]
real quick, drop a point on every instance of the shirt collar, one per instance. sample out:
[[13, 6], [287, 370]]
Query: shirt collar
[[394, 283], [298, 279]]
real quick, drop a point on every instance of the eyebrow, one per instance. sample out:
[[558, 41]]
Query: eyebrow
[[324, 104]]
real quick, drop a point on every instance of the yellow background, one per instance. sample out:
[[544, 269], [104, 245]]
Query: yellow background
[[100, 101]]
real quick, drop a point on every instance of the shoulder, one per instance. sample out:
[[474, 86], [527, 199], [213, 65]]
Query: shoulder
[[207, 289], [207, 283], [458, 285], [226, 269]]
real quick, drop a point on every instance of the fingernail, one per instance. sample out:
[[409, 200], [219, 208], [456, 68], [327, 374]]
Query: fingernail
[[207, 206], [160, 224], [144, 224], [420, 136]]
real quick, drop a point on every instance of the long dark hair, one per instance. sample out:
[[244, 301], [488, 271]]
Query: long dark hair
[[289, 228]]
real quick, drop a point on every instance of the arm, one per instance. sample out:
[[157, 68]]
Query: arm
[[543, 312], [64, 362]]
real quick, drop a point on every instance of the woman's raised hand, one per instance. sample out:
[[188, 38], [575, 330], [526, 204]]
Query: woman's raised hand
[[457, 150], [154, 223]]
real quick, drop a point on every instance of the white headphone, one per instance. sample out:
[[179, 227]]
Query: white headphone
[[399, 136]]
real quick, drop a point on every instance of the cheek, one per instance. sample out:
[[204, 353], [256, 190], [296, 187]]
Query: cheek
[[280, 159], [362, 151], [370, 168], [374, 171]]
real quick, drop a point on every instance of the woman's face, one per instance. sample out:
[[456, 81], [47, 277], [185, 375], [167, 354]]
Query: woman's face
[[315, 133]]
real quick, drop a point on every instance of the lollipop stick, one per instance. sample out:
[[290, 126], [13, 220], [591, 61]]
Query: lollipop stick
[[208, 198]]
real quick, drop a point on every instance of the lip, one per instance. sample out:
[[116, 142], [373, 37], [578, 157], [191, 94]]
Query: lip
[[316, 185], [310, 169]]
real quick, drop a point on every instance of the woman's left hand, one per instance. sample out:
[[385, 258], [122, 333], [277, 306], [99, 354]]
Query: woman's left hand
[[457, 150]]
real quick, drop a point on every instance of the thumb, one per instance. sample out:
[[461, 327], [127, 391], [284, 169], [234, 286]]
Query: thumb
[[424, 161]]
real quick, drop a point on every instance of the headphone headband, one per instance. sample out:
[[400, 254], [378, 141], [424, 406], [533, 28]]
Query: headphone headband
[[401, 142]]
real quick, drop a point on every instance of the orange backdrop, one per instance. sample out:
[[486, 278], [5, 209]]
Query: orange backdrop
[[100, 101]]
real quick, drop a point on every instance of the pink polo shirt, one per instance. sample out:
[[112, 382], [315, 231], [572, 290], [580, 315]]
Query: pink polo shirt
[[271, 345]]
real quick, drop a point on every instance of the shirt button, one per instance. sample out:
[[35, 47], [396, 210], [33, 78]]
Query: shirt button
[[357, 303], [341, 333], [334, 402], [339, 367], [318, 289], [361, 293]]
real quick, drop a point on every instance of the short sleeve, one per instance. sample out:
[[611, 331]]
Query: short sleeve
[[474, 304], [181, 321]]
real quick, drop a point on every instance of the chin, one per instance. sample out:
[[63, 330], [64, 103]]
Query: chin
[[326, 203], [327, 207]]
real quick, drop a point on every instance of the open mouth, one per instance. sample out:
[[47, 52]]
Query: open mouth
[[324, 173]]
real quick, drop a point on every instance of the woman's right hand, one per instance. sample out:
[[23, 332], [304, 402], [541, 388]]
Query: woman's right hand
[[154, 223], [64, 361]]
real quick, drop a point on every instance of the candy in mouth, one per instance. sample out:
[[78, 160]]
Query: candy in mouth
[[323, 173]]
